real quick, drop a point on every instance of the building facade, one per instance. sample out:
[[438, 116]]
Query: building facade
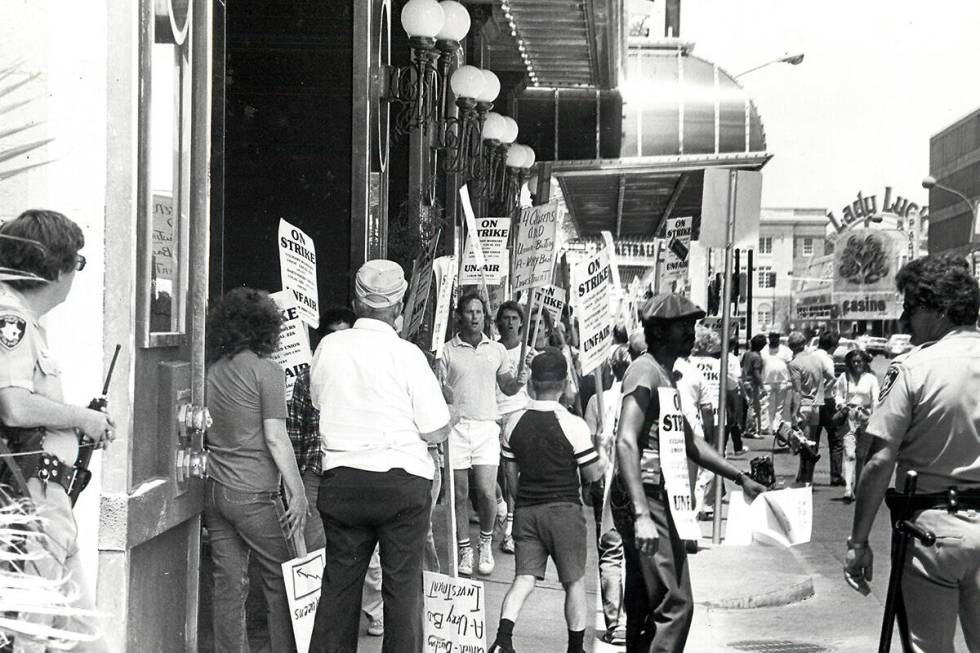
[[954, 161]]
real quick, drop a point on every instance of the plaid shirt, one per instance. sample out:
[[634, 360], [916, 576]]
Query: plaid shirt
[[303, 425]]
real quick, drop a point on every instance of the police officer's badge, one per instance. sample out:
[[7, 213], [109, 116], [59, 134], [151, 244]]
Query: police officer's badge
[[12, 328], [890, 377]]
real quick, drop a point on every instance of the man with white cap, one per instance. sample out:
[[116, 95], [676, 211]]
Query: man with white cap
[[380, 405], [658, 601]]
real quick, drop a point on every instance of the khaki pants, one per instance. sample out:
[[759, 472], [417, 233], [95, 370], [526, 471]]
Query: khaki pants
[[54, 507], [942, 582]]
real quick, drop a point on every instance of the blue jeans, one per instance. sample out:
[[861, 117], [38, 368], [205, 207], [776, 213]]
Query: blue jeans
[[239, 524], [313, 534]]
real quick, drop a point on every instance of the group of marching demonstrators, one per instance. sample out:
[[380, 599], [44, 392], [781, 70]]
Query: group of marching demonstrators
[[352, 462]]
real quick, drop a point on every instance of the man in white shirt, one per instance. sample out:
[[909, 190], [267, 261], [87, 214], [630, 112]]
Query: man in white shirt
[[471, 369], [828, 406], [510, 326], [776, 360], [380, 405]]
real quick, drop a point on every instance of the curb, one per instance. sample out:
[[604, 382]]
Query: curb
[[800, 591]]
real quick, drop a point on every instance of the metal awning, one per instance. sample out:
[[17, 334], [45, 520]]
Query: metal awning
[[556, 43], [632, 197], [682, 114]]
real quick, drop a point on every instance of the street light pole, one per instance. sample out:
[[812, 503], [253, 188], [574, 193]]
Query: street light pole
[[791, 59], [930, 182]]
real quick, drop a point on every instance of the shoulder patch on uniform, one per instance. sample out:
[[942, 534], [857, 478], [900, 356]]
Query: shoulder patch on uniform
[[886, 385], [12, 329]]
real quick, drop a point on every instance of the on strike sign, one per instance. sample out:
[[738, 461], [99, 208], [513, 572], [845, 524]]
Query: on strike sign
[[591, 292], [297, 266], [492, 235], [293, 352]]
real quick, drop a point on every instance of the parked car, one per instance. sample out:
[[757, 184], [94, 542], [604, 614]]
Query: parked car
[[844, 345], [898, 344], [876, 345]]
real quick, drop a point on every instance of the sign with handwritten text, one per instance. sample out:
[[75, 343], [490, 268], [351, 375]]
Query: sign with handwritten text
[[303, 577], [455, 614], [534, 258], [164, 242]]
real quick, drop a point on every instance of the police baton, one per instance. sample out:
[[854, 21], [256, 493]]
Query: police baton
[[900, 506], [80, 472]]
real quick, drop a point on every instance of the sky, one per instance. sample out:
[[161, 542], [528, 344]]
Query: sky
[[878, 79]]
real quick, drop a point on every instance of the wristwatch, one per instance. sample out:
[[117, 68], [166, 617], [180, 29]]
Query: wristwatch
[[739, 479]]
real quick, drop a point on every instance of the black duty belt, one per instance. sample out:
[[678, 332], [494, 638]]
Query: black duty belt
[[952, 500]]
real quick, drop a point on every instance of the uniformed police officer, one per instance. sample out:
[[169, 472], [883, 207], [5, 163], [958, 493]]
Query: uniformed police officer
[[928, 421], [32, 407], [658, 602]]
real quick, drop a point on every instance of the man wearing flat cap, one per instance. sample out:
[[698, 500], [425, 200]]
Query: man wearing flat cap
[[380, 405], [658, 601]]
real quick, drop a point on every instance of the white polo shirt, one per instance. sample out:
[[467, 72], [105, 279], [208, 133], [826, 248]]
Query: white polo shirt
[[471, 374], [376, 394]]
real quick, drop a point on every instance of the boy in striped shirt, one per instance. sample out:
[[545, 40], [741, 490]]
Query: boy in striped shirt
[[547, 453]]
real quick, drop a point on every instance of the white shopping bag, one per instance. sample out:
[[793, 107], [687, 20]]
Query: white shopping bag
[[783, 517]]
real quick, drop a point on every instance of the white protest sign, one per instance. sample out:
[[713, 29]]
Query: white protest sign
[[455, 614], [297, 267], [164, 242], [470, 217], [418, 291], [673, 464], [492, 234], [591, 290], [783, 517], [710, 367], [714, 207], [293, 352], [678, 240], [445, 271], [553, 299], [303, 577], [534, 256]]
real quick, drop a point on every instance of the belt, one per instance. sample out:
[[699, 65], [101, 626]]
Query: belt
[[50, 468], [952, 500]]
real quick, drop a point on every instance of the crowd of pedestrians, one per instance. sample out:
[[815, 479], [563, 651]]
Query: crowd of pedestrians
[[352, 461]]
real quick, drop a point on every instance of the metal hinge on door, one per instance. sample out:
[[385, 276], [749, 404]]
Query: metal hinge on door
[[192, 459]]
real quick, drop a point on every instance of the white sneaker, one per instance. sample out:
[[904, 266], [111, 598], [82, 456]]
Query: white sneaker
[[485, 568], [507, 544], [465, 565], [376, 627]]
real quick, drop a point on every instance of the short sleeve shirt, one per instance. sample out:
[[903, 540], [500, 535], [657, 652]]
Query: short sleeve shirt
[[242, 391], [471, 374], [930, 409], [549, 445], [27, 362], [646, 372], [694, 393], [509, 403]]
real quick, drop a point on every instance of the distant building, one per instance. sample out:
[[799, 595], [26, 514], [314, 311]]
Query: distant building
[[954, 160], [789, 238]]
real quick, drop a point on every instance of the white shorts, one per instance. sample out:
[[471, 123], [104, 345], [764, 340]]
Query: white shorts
[[474, 443]]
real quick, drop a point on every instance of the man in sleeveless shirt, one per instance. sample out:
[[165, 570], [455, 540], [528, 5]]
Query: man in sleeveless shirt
[[658, 601]]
